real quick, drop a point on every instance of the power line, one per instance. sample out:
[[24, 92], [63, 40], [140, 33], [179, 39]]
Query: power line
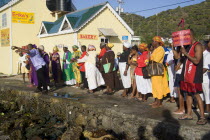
[[163, 6]]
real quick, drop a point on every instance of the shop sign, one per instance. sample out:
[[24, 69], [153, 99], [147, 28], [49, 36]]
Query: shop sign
[[124, 38], [5, 37], [86, 36], [22, 17]]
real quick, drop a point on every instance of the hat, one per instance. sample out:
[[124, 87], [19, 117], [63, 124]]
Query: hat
[[41, 47], [110, 45], [102, 44], [158, 39], [143, 46], [55, 49], [127, 44], [91, 47], [75, 47], [118, 53]]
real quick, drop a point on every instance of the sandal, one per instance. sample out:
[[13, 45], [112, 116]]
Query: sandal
[[185, 117], [201, 121]]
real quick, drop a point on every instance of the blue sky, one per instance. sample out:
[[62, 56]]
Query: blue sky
[[136, 5]]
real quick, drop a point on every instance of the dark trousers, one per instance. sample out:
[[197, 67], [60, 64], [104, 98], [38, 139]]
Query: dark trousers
[[41, 78], [84, 79]]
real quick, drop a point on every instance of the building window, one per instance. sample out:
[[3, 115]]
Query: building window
[[104, 40], [4, 20]]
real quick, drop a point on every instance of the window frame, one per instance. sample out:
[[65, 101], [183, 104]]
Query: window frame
[[4, 20]]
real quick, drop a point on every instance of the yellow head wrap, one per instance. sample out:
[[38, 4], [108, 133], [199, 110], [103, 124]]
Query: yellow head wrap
[[110, 45], [143, 46], [158, 39], [55, 49]]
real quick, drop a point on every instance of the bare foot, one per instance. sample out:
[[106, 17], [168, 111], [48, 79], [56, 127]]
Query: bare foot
[[124, 94], [154, 103], [179, 112]]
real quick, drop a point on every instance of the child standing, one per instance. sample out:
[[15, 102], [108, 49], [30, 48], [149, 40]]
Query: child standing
[[23, 61]]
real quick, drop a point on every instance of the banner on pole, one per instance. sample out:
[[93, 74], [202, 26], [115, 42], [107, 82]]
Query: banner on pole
[[182, 37]]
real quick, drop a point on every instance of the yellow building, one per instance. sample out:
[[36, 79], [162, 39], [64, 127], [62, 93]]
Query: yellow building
[[20, 23], [21, 20], [93, 25]]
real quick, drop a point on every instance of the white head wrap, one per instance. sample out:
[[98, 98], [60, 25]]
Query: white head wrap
[[41, 47], [91, 47], [127, 44]]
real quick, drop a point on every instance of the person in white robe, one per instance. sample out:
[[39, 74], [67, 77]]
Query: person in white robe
[[171, 74], [206, 78], [93, 75]]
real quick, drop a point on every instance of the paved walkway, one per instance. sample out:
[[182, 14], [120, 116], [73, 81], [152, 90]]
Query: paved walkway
[[124, 105]]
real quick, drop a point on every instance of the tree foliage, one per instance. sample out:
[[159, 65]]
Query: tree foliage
[[197, 17]]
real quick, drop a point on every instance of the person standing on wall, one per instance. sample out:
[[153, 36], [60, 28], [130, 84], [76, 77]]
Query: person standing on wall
[[144, 86], [192, 78], [206, 77], [110, 77], [23, 60], [159, 83], [39, 65], [170, 66], [46, 58], [132, 61], [55, 65], [76, 55], [82, 67], [124, 68], [92, 73], [68, 74]]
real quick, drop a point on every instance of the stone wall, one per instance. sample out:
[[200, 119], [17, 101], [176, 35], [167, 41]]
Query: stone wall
[[88, 116]]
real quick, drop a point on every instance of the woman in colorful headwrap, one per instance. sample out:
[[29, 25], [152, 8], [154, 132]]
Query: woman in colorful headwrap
[[92, 73], [110, 78], [76, 55], [55, 65], [132, 61], [143, 85], [159, 83], [68, 74]]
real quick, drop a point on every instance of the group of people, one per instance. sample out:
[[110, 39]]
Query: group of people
[[185, 72]]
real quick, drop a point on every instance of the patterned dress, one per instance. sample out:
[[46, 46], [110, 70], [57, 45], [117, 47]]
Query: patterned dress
[[68, 74], [77, 74]]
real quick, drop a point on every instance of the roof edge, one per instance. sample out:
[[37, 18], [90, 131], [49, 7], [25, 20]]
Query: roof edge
[[104, 3], [11, 3]]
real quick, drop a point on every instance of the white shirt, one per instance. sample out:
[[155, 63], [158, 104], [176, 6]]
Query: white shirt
[[206, 65], [22, 60], [170, 58]]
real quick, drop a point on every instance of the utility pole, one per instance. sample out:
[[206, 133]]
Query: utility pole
[[157, 25], [120, 2]]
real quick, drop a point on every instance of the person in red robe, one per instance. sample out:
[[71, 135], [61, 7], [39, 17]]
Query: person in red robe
[[82, 67]]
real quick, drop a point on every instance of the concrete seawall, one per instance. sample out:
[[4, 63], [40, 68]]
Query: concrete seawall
[[103, 114]]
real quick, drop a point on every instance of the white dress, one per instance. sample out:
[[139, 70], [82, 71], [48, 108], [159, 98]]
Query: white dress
[[92, 73]]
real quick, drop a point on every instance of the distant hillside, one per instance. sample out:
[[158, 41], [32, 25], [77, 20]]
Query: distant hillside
[[196, 17]]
